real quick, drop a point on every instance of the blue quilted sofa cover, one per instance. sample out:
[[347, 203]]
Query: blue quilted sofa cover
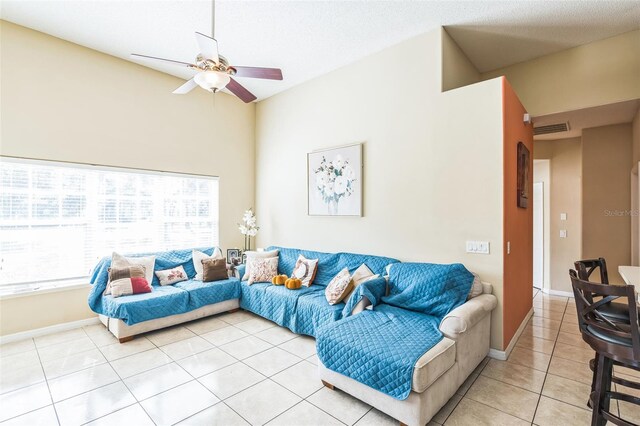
[[398, 331], [163, 301], [303, 311]]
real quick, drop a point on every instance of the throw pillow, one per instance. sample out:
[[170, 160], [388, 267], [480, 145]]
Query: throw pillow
[[171, 276], [339, 287], [360, 275], [127, 286], [214, 270], [251, 255], [305, 270], [198, 256], [149, 263], [263, 270], [476, 287], [135, 271]]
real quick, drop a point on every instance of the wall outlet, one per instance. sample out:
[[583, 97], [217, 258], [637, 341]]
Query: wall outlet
[[478, 247]]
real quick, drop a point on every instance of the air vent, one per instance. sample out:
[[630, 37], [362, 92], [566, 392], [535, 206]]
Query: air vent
[[551, 128]]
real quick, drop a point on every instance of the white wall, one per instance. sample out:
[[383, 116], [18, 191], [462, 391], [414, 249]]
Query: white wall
[[61, 101], [432, 162]]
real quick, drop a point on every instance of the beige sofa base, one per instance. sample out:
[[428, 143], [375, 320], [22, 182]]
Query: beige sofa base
[[471, 348], [126, 332]]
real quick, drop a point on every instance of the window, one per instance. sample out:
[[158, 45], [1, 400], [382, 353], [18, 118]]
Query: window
[[57, 220]]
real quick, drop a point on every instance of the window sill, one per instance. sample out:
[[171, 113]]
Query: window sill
[[43, 288]]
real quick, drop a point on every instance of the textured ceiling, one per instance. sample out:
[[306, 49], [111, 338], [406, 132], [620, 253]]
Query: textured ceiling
[[310, 38]]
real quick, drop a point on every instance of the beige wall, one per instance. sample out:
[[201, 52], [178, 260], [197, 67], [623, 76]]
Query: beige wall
[[606, 167], [566, 197], [598, 73], [635, 130], [61, 101], [457, 69], [432, 162]]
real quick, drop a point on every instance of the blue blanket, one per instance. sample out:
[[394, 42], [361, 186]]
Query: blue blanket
[[398, 331], [163, 300]]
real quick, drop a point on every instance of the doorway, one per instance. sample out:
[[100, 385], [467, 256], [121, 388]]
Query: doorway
[[542, 224]]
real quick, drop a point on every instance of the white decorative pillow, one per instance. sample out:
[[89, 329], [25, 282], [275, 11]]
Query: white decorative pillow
[[263, 270], [339, 287], [198, 256], [171, 276], [149, 263], [476, 287], [251, 255], [305, 270]]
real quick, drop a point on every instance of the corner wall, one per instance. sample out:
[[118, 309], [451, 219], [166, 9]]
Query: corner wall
[[431, 175], [64, 102]]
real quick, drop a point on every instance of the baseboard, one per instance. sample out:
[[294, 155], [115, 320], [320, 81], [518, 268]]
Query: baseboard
[[557, 293], [48, 330], [503, 355]]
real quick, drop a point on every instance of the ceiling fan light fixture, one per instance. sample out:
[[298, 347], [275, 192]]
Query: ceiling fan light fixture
[[212, 81]]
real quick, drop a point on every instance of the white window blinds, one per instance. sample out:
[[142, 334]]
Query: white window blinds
[[58, 219]]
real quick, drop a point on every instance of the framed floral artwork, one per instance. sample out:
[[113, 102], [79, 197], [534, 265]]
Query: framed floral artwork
[[335, 181]]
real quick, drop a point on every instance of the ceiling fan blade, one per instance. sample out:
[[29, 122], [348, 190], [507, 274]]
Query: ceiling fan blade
[[208, 47], [153, 58], [239, 90], [257, 72], [186, 87]]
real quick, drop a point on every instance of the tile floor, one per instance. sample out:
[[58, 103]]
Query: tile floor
[[239, 369]]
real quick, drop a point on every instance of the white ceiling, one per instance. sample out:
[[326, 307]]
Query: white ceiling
[[309, 38], [580, 119]]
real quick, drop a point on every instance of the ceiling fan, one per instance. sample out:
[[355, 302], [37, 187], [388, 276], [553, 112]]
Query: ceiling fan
[[213, 70]]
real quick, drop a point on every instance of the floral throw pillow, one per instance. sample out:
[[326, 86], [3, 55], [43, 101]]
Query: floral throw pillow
[[171, 276], [339, 287], [263, 270], [305, 270]]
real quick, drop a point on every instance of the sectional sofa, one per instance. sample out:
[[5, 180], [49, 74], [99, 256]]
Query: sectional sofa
[[460, 334]]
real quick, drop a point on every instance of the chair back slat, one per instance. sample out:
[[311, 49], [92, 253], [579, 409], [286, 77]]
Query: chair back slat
[[586, 267]]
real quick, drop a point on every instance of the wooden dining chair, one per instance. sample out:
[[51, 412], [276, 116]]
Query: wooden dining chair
[[615, 343], [586, 267]]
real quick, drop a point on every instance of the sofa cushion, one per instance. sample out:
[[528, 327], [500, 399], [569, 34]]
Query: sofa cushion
[[313, 310], [206, 293], [433, 364], [161, 302], [275, 303]]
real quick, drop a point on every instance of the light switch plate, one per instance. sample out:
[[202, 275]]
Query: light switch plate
[[478, 247], [563, 233], [563, 216]]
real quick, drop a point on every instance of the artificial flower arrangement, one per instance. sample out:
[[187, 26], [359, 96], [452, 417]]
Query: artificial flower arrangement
[[248, 227], [334, 181]]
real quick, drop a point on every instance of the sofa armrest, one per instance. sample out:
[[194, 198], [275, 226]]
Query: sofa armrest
[[465, 316], [240, 269]]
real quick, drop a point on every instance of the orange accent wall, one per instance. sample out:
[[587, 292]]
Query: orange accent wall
[[518, 222]]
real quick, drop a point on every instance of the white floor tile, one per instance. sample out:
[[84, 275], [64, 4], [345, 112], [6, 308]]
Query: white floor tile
[[24, 400], [72, 363], [344, 407], [42, 417], [219, 414], [152, 382], [255, 325], [301, 378], [376, 418], [12, 379], [245, 347], [133, 415], [224, 335], [262, 402], [82, 381], [20, 360], [121, 350], [304, 414], [206, 325], [272, 361], [16, 347], [64, 349], [302, 346], [206, 362], [61, 337], [99, 334], [237, 317], [179, 403], [276, 335], [169, 335], [92, 405], [186, 347], [143, 361], [230, 380]]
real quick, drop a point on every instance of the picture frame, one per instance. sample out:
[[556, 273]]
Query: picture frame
[[231, 253], [244, 258], [523, 176], [334, 181]]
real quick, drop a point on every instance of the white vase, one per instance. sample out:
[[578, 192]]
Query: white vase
[[332, 206]]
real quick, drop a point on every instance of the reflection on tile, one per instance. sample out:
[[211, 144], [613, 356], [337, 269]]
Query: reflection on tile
[[132, 415], [245, 347], [262, 402], [272, 361], [536, 344], [231, 380], [573, 340], [515, 374], [178, 403], [506, 398], [152, 382], [186, 347], [43, 416], [85, 380], [569, 369], [237, 317], [276, 335], [61, 337], [302, 346], [304, 414], [552, 413], [574, 353], [13, 348], [121, 350], [255, 325], [540, 332], [61, 350], [340, 405], [169, 335], [71, 364], [205, 325], [23, 400], [471, 413], [143, 361], [224, 335], [16, 378], [529, 358], [566, 390], [219, 414], [301, 378], [205, 362], [546, 313], [92, 405], [545, 323]]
